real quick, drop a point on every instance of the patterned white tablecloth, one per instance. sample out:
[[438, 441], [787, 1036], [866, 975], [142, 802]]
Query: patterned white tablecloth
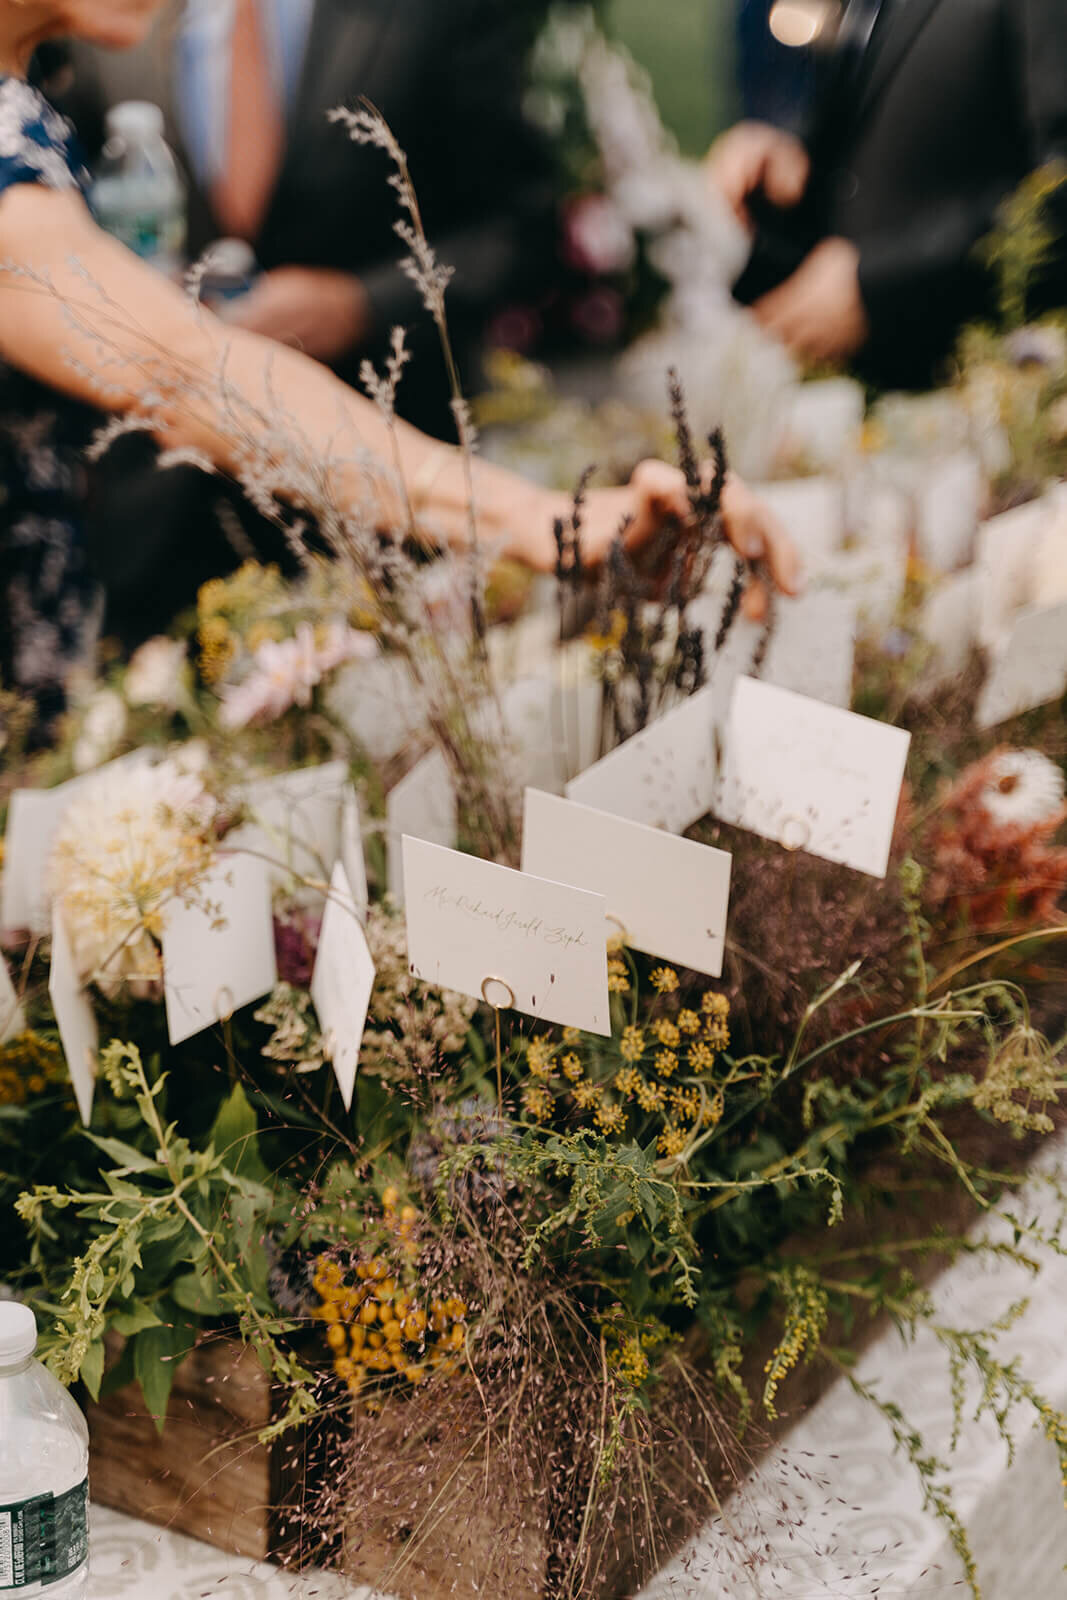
[[835, 1514], [131, 1560]]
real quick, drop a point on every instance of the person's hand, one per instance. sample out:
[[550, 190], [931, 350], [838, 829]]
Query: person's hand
[[753, 157], [818, 313], [657, 495], [313, 309]]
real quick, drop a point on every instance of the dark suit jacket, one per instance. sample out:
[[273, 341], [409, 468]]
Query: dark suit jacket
[[447, 75], [956, 102]]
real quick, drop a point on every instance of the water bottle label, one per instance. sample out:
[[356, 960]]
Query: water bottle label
[[44, 1539]]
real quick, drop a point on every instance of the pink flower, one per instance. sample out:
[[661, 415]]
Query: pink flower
[[285, 672], [596, 236]]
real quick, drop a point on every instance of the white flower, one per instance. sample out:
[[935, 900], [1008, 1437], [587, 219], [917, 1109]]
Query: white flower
[[598, 237], [1024, 788], [102, 728], [131, 841], [156, 673]]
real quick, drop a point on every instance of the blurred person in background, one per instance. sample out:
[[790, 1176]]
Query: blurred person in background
[[82, 318], [245, 87], [926, 115]]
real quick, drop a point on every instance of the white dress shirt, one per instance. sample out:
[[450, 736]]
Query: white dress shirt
[[203, 68]]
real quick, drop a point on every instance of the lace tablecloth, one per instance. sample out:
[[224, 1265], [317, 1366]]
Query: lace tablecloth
[[131, 1560], [836, 1514]]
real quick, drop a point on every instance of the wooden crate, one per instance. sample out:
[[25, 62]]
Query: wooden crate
[[206, 1474]]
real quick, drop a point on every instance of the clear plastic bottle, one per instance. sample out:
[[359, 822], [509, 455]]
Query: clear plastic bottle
[[44, 1472], [137, 193]]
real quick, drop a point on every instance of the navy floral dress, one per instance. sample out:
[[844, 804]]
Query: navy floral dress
[[49, 605]]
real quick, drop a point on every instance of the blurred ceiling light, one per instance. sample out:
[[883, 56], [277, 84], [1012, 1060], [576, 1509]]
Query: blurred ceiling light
[[801, 22]]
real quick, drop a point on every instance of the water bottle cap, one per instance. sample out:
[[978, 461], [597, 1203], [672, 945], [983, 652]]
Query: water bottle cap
[[231, 258], [135, 119], [18, 1332]]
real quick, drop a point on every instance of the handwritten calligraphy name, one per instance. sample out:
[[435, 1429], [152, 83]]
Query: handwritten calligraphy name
[[507, 920]]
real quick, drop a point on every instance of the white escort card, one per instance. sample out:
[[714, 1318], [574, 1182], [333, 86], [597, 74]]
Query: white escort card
[[664, 776], [669, 895], [12, 1017], [342, 981], [75, 1020], [948, 506], [811, 776], [422, 804], [948, 623], [294, 821], [1029, 670], [218, 959], [379, 703], [812, 512], [1007, 551], [471, 921]]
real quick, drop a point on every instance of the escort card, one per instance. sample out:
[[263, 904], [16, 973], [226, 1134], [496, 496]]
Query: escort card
[[422, 804], [352, 857], [75, 1020], [342, 981], [1029, 670], [811, 776], [1007, 550], [669, 894], [664, 776], [217, 960], [295, 821], [12, 1017], [543, 943]]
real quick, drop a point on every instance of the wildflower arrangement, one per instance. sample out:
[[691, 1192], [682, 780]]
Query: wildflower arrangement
[[579, 1268]]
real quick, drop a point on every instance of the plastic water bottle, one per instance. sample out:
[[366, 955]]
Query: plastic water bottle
[[137, 194], [44, 1472]]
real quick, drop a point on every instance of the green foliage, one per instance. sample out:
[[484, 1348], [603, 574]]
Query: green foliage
[[174, 1233]]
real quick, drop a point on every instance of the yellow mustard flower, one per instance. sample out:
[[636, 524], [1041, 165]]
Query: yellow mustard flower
[[666, 1062], [628, 1081], [539, 1057], [701, 1057], [571, 1066], [586, 1095], [610, 1118], [666, 1032], [688, 1021], [651, 1096]]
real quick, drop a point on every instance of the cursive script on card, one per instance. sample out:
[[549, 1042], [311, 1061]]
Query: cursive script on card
[[507, 919]]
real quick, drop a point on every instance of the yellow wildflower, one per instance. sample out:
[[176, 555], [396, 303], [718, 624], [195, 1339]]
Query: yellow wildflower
[[628, 1081], [688, 1021], [539, 1057], [713, 1110], [572, 1036], [610, 1118], [665, 979], [651, 1096], [666, 1032], [672, 1141], [618, 978], [572, 1066], [586, 1095], [686, 1103], [701, 1057], [632, 1044], [666, 1062], [538, 1102]]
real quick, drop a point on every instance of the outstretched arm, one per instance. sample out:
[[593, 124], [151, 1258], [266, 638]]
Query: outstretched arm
[[83, 314]]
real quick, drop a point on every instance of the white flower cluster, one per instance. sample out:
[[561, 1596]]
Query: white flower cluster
[[132, 840]]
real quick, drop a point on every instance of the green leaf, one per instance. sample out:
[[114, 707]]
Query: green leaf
[[196, 1292], [156, 1354], [93, 1367], [135, 1320], [235, 1136], [124, 1155]]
